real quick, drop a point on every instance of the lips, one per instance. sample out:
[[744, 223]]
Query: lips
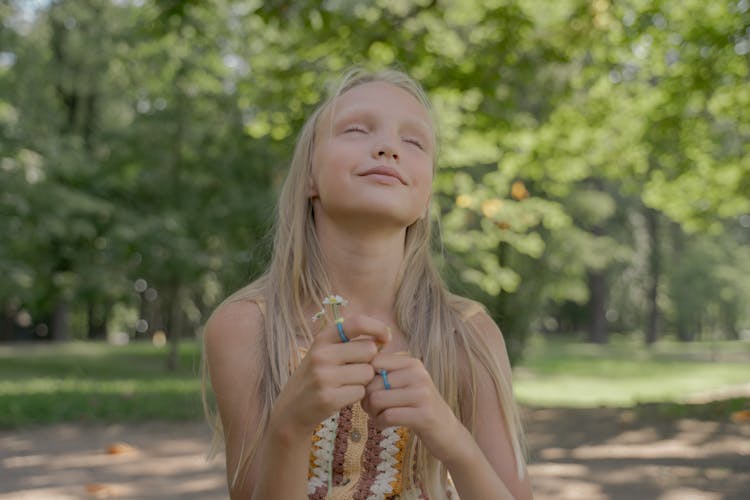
[[382, 170]]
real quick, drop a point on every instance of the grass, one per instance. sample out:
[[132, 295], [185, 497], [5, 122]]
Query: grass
[[82, 381], [86, 381], [625, 373]]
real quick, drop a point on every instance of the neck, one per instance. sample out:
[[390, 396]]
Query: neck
[[363, 267]]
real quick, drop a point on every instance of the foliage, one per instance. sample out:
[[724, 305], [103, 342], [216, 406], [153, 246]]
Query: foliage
[[144, 142]]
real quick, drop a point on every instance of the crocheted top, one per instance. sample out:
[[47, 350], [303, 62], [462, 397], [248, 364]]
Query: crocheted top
[[367, 462]]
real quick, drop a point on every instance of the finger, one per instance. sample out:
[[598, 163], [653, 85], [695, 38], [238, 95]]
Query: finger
[[394, 361], [355, 326], [378, 401], [362, 351], [354, 374], [348, 394], [396, 380], [400, 416], [360, 327]]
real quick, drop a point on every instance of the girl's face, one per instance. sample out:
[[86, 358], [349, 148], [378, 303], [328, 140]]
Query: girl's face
[[373, 157]]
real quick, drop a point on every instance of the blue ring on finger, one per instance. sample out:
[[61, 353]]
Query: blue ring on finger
[[342, 335], [384, 374]]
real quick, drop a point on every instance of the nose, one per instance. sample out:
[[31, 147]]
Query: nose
[[384, 149]]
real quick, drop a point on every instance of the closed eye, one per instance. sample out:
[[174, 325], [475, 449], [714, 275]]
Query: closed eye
[[412, 140], [356, 128]]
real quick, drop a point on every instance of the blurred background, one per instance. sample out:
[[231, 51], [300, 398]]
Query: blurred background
[[593, 187]]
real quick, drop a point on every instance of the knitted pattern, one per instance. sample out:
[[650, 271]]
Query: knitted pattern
[[320, 456], [364, 463], [388, 478], [361, 470], [370, 472]]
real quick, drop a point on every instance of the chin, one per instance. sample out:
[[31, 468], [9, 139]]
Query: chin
[[373, 211], [385, 217]]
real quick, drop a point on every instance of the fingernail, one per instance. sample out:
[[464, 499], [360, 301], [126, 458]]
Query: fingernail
[[401, 353], [388, 331]]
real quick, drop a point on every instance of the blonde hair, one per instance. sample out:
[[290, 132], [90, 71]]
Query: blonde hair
[[296, 277]]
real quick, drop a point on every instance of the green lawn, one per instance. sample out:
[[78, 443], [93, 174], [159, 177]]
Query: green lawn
[[625, 373], [96, 381], [82, 381]]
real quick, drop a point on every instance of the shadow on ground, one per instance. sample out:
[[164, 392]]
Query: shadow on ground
[[611, 453], [74, 461], [589, 454]]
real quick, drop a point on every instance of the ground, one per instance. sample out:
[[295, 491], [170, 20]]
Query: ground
[[597, 454], [586, 454]]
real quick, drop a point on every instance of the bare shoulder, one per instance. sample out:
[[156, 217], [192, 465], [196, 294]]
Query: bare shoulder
[[482, 324], [234, 353], [486, 328], [490, 335], [493, 407], [234, 324], [233, 345], [487, 334]]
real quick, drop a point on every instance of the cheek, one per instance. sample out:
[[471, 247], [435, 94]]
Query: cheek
[[326, 172], [317, 170], [424, 179], [321, 161]]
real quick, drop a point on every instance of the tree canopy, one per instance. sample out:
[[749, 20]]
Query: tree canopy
[[594, 165]]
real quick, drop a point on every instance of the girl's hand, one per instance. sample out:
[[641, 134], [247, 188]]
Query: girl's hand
[[413, 401], [332, 375]]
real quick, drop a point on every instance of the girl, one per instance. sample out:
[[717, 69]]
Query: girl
[[402, 390]]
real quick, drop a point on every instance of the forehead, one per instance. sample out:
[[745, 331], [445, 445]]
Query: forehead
[[380, 97]]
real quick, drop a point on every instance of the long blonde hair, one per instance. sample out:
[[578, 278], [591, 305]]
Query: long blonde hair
[[433, 319]]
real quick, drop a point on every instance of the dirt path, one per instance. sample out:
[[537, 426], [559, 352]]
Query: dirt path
[[614, 454], [155, 460], [575, 454]]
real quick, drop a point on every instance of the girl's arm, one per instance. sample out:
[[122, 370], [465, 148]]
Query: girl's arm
[[481, 469], [233, 351], [492, 450], [331, 376]]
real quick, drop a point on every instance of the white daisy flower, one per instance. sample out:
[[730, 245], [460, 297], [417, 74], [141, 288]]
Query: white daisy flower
[[335, 300]]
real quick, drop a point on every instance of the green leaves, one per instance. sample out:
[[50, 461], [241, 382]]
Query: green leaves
[[147, 140]]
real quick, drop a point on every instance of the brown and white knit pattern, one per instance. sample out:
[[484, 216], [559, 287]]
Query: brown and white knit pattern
[[366, 467], [387, 481], [320, 456]]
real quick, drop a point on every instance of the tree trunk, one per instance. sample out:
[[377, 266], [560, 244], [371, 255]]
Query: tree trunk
[[7, 330], [598, 332], [684, 325], [61, 322], [173, 313], [652, 324], [684, 333], [597, 281], [175, 324], [729, 320], [98, 315]]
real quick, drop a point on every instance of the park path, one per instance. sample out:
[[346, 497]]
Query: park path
[[575, 454], [600, 454], [155, 460]]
